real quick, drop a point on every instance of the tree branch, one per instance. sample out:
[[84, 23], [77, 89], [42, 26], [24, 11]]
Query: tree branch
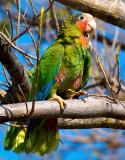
[[110, 11], [20, 81], [91, 123], [109, 41], [93, 107]]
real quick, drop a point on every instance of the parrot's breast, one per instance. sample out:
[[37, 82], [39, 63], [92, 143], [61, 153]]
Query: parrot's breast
[[71, 69]]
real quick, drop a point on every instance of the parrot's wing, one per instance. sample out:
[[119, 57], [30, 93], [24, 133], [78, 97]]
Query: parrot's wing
[[48, 69], [87, 67]]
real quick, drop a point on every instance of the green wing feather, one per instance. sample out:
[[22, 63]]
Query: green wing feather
[[48, 68], [15, 137], [87, 67]]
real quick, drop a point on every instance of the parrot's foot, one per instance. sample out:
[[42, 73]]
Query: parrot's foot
[[77, 94], [60, 101]]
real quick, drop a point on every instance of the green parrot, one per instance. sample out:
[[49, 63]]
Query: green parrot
[[64, 65]]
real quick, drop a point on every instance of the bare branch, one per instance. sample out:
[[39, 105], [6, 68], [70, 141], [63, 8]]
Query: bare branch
[[32, 5], [11, 24], [38, 59], [88, 123], [17, 73], [15, 47], [2, 93], [91, 123], [106, 78], [109, 11], [18, 17], [93, 107], [118, 74], [109, 41], [30, 32], [54, 17]]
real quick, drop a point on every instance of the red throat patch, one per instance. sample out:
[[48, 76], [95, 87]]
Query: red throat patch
[[82, 25], [83, 41]]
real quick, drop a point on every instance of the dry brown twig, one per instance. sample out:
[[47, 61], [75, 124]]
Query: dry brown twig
[[106, 78], [118, 72], [34, 18], [11, 24], [9, 41], [38, 59], [31, 35], [5, 74], [18, 17], [32, 6], [24, 97], [54, 16], [4, 84]]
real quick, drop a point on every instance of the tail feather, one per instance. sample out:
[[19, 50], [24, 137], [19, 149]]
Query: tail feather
[[41, 139], [14, 139]]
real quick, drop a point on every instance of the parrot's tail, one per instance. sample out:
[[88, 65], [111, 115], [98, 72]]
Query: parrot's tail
[[42, 138]]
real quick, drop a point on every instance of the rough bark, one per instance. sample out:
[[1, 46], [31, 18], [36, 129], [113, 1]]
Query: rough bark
[[110, 11], [20, 82], [93, 107], [91, 123]]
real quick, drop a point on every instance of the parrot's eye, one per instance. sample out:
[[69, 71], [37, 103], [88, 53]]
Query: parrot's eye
[[87, 35], [81, 17]]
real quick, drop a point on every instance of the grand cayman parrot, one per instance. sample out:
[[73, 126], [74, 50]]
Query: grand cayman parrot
[[64, 65]]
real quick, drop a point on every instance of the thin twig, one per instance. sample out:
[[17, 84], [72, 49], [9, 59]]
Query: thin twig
[[102, 69], [25, 100], [105, 96], [15, 125], [11, 24], [106, 55], [5, 74], [2, 94], [50, 6], [106, 78], [4, 30], [38, 58], [7, 32], [18, 17], [115, 38], [4, 84], [30, 23], [118, 74], [15, 47], [116, 53], [54, 16], [25, 30], [32, 6], [34, 43], [25, 12], [91, 86]]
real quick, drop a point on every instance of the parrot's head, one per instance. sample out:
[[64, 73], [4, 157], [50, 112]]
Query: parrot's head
[[79, 25], [85, 22], [76, 24]]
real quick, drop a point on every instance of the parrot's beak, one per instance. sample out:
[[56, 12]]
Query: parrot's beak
[[91, 25]]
